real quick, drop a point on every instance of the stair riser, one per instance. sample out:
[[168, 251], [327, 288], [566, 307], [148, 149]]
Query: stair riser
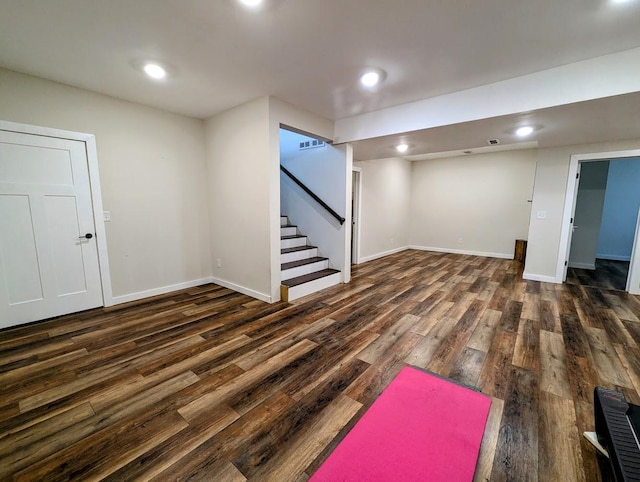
[[284, 220], [305, 269], [298, 255], [288, 231], [305, 289], [293, 243]]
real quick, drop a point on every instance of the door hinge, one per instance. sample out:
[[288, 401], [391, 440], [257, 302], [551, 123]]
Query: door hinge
[[571, 222], [577, 175], [566, 263]]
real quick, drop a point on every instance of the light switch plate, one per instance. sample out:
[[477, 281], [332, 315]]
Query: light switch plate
[[541, 215]]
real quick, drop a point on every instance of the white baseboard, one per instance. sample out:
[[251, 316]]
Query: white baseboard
[[382, 255], [613, 257], [573, 264], [242, 289], [464, 251], [160, 291], [539, 277]]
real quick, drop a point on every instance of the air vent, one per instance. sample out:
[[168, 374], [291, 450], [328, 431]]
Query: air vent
[[493, 142], [311, 144]]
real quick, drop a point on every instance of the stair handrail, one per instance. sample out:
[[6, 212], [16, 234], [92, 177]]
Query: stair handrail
[[312, 194]]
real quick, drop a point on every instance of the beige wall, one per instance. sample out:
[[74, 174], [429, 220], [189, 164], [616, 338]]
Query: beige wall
[[152, 168], [552, 173], [239, 197], [475, 204], [384, 222], [284, 114]]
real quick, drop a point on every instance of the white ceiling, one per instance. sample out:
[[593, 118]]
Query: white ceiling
[[310, 52]]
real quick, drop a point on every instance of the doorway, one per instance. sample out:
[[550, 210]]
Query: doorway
[[601, 223], [356, 194], [52, 249]]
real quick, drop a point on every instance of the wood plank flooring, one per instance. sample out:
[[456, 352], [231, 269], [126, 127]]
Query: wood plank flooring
[[208, 384], [608, 274]]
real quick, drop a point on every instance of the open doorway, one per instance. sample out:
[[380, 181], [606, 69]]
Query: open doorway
[[355, 214], [603, 227]]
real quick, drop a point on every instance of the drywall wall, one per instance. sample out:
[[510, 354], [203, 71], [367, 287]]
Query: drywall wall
[[566, 84], [239, 198], [282, 114], [588, 214], [386, 194], [152, 169], [474, 204], [620, 212], [323, 171], [243, 160], [552, 172]]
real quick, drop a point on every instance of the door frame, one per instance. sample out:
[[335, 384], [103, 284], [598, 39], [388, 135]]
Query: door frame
[[356, 177], [89, 141], [570, 199]]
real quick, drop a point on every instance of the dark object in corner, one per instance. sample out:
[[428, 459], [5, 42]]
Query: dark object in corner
[[521, 250], [618, 430]]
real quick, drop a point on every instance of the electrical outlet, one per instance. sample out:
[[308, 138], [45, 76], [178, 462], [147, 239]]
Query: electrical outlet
[[460, 240], [219, 263], [106, 216]]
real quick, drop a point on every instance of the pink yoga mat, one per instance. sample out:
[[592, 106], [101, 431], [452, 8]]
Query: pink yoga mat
[[421, 428]]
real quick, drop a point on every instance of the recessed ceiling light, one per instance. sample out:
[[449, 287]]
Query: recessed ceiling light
[[372, 77], [251, 3], [402, 148], [155, 71], [621, 1], [524, 131]]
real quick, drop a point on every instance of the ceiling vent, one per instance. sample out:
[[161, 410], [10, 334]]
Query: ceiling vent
[[311, 144], [493, 142]]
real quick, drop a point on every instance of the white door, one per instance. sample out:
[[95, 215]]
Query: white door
[[48, 255], [633, 281], [572, 227]]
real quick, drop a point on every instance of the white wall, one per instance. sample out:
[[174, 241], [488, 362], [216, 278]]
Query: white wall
[[386, 194], [588, 214], [152, 169], [552, 172], [286, 115], [595, 78], [620, 212], [322, 170], [239, 197], [474, 204], [243, 160]]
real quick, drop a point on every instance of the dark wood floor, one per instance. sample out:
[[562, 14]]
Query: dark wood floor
[[207, 384], [608, 274]]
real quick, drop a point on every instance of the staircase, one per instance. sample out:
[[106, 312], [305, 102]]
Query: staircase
[[303, 271]]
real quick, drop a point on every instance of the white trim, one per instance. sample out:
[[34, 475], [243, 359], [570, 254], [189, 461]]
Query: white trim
[[539, 277], [96, 193], [305, 289], [117, 300], [563, 247], [613, 257], [243, 290], [582, 265], [464, 251], [382, 255]]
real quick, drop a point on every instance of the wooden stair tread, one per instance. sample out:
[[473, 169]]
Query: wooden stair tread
[[301, 262], [296, 248], [309, 277], [293, 236]]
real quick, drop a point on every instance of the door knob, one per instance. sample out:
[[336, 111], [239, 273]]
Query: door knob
[[86, 236]]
